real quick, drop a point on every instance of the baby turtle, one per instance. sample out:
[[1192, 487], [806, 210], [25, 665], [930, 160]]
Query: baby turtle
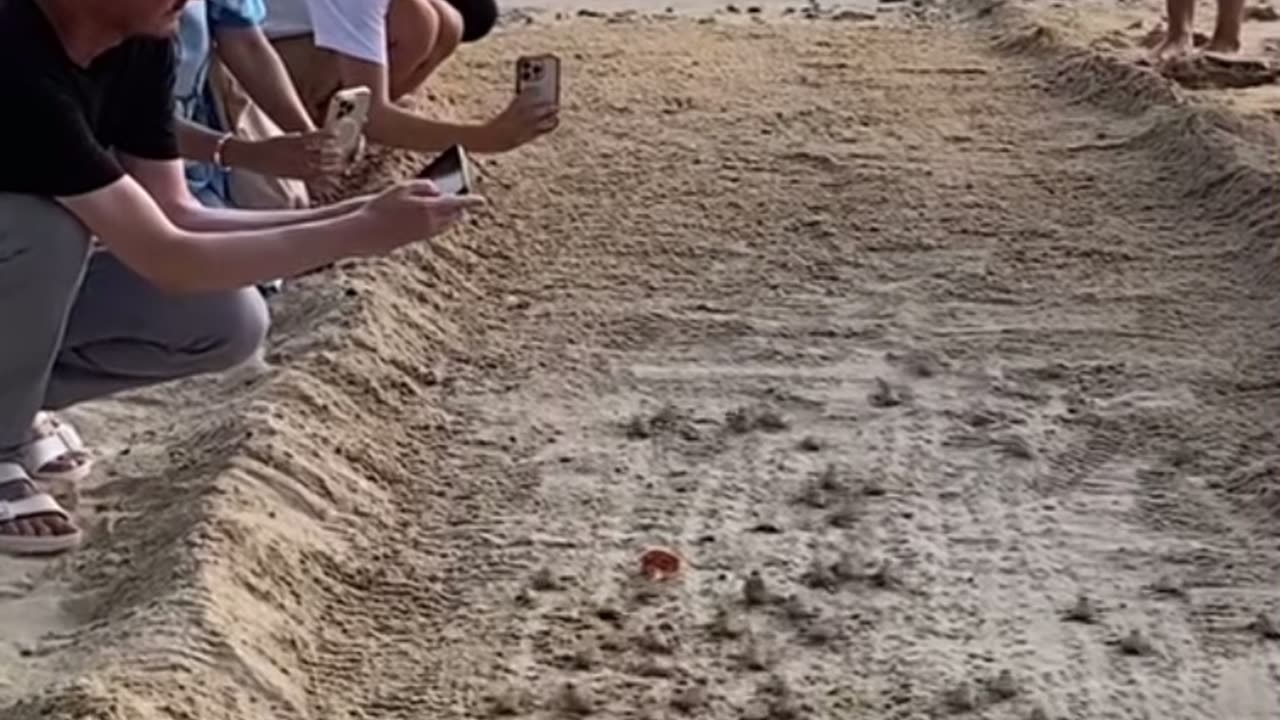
[[960, 698], [756, 655], [574, 700], [1083, 611], [844, 517], [754, 591], [1169, 586], [585, 657], [1265, 626], [610, 614], [1038, 713], [689, 699], [739, 421], [726, 624], [829, 480], [638, 427], [886, 576], [1016, 446], [509, 701], [846, 568], [797, 611], [1004, 686], [1135, 643], [544, 580], [812, 495], [658, 640], [820, 576], [821, 632], [921, 363], [885, 395], [770, 420]]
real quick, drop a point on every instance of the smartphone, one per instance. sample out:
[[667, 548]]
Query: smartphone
[[348, 111], [539, 76], [450, 171]]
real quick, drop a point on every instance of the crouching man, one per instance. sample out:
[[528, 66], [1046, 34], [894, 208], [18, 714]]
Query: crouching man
[[168, 291]]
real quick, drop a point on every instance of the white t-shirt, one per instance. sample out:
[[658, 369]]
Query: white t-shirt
[[357, 28]]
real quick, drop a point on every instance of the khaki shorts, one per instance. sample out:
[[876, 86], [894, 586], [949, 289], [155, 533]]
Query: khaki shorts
[[314, 72]]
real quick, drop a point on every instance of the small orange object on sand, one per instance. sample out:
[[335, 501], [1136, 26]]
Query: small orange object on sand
[[659, 564]]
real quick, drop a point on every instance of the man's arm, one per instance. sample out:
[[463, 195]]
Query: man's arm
[[133, 227], [165, 183], [258, 68]]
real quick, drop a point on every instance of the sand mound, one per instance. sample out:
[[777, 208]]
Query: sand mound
[[902, 337], [1212, 71]]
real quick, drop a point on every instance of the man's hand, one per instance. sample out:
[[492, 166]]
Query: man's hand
[[522, 121], [408, 212], [304, 156]]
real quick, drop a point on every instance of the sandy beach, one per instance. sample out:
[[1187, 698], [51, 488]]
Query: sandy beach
[[940, 342]]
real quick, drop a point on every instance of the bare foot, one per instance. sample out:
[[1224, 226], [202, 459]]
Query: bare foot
[[1173, 47], [1222, 46], [43, 525]]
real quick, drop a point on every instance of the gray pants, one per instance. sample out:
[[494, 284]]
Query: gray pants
[[77, 325]]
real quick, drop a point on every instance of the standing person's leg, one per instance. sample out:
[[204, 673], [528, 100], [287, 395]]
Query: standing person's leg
[[123, 333], [1226, 33], [43, 251], [1178, 36]]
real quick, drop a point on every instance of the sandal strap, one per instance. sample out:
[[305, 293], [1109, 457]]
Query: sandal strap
[[38, 504], [63, 429], [13, 472], [38, 453]]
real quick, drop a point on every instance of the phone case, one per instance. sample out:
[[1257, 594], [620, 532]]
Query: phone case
[[539, 75], [450, 171], [348, 111]]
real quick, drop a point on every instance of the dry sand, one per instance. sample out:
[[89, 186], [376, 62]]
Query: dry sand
[[935, 327]]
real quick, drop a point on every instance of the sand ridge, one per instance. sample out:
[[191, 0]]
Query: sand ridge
[[907, 338]]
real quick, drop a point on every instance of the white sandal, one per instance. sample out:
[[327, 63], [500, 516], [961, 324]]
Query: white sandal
[[32, 506], [59, 439]]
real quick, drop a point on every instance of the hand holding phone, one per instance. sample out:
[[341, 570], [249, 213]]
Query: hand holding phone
[[408, 212], [450, 171], [347, 113], [538, 78]]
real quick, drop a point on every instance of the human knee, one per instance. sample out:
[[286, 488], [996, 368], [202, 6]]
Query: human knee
[[413, 27], [239, 329], [41, 243], [477, 18], [450, 28]]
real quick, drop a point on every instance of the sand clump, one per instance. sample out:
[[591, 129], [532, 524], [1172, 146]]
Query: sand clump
[[432, 505]]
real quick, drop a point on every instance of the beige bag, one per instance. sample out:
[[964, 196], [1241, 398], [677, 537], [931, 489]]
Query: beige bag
[[237, 112]]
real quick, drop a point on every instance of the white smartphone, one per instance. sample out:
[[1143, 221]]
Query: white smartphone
[[450, 171], [348, 111], [539, 77]]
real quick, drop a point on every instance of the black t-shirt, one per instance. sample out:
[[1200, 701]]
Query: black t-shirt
[[60, 122]]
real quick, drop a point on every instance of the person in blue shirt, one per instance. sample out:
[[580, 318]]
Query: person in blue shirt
[[230, 31]]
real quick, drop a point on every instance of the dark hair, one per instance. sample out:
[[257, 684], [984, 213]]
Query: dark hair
[[478, 17]]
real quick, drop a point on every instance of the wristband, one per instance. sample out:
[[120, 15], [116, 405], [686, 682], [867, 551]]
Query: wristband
[[218, 150]]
